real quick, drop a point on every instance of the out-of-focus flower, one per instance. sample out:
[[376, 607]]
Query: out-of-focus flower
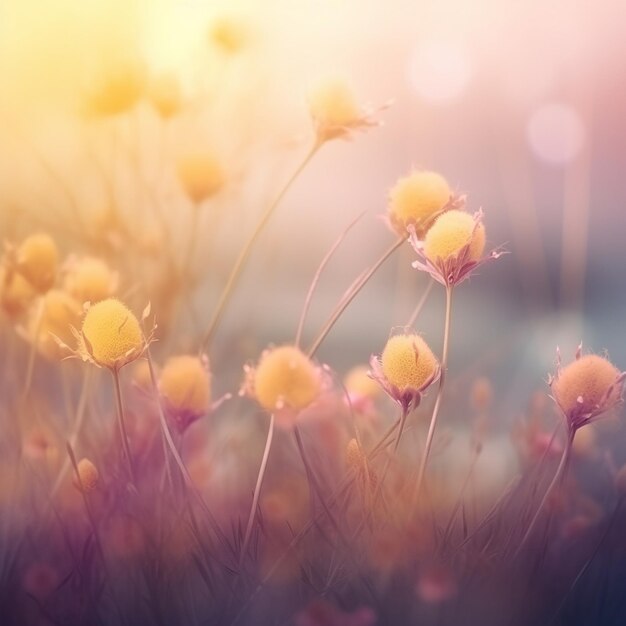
[[362, 389], [16, 293], [40, 444], [284, 382], [165, 94], [335, 111], [230, 33], [453, 247], [37, 260], [201, 176], [407, 367], [435, 585], [418, 199], [88, 476], [40, 580], [587, 388], [89, 279], [481, 394]]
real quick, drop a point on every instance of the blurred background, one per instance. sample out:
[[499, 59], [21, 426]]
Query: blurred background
[[520, 106]]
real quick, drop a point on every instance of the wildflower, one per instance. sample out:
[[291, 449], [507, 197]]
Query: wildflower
[[200, 175], [110, 335], [418, 199], [185, 385], [16, 293], [284, 382], [362, 389], [586, 388], [335, 111], [89, 280], [407, 367], [230, 33], [36, 259], [435, 585], [88, 476], [453, 247], [165, 95]]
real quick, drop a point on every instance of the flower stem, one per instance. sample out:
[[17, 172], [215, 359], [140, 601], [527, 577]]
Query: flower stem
[[245, 252], [420, 305], [350, 296], [121, 422], [433, 419]]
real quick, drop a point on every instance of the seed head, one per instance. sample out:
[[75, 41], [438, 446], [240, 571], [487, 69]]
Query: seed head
[[37, 259], [185, 384], [407, 362], [200, 175], [90, 280], [88, 476], [164, 94], [451, 233], [111, 335], [417, 199], [286, 378]]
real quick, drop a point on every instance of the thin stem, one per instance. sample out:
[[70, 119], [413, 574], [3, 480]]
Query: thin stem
[[420, 305], [257, 492], [318, 273], [433, 419], [347, 300], [558, 479], [245, 252], [121, 422]]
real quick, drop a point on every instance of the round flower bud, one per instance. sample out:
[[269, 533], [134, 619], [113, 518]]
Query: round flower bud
[[186, 386], [416, 200], [587, 379], [359, 383], [407, 362], [333, 104], [112, 334], [88, 475], [37, 259], [118, 88], [285, 377], [90, 280], [451, 232], [200, 175], [16, 293], [165, 94]]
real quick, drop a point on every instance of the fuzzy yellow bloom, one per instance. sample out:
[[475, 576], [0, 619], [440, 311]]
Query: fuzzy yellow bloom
[[200, 175], [119, 87], [587, 379], [185, 383], [57, 315], [37, 259], [416, 200], [16, 293], [407, 362], [333, 104], [88, 475], [165, 95], [285, 377], [230, 33], [359, 383], [450, 233], [90, 280], [111, 334]]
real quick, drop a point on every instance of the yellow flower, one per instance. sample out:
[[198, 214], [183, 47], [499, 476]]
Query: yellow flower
[[451, 232], [200, 175], [165, 94], [407, 362], [185, 383], [230, 33], [359, 383], [36, 259], [286, 378], [417, 199], [16, 293], [111, 336], [88, 476], [90, 280]]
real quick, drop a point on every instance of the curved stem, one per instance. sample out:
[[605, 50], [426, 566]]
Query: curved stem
[[559, 477], [257, 491], [121, 422], [349, 297], [245, 252], [433, 419]]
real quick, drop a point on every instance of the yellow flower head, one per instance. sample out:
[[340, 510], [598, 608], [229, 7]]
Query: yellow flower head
[[90, 280], [88, 476], [333, 104], [230, 33], [359, 383], [583, 385], [417, 199], [111, 335], [286, 378], [407, 362], [451, 232], [58, 315], [200, 175], [37, 259], [165, 94], [16, 293], [185, 383]]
